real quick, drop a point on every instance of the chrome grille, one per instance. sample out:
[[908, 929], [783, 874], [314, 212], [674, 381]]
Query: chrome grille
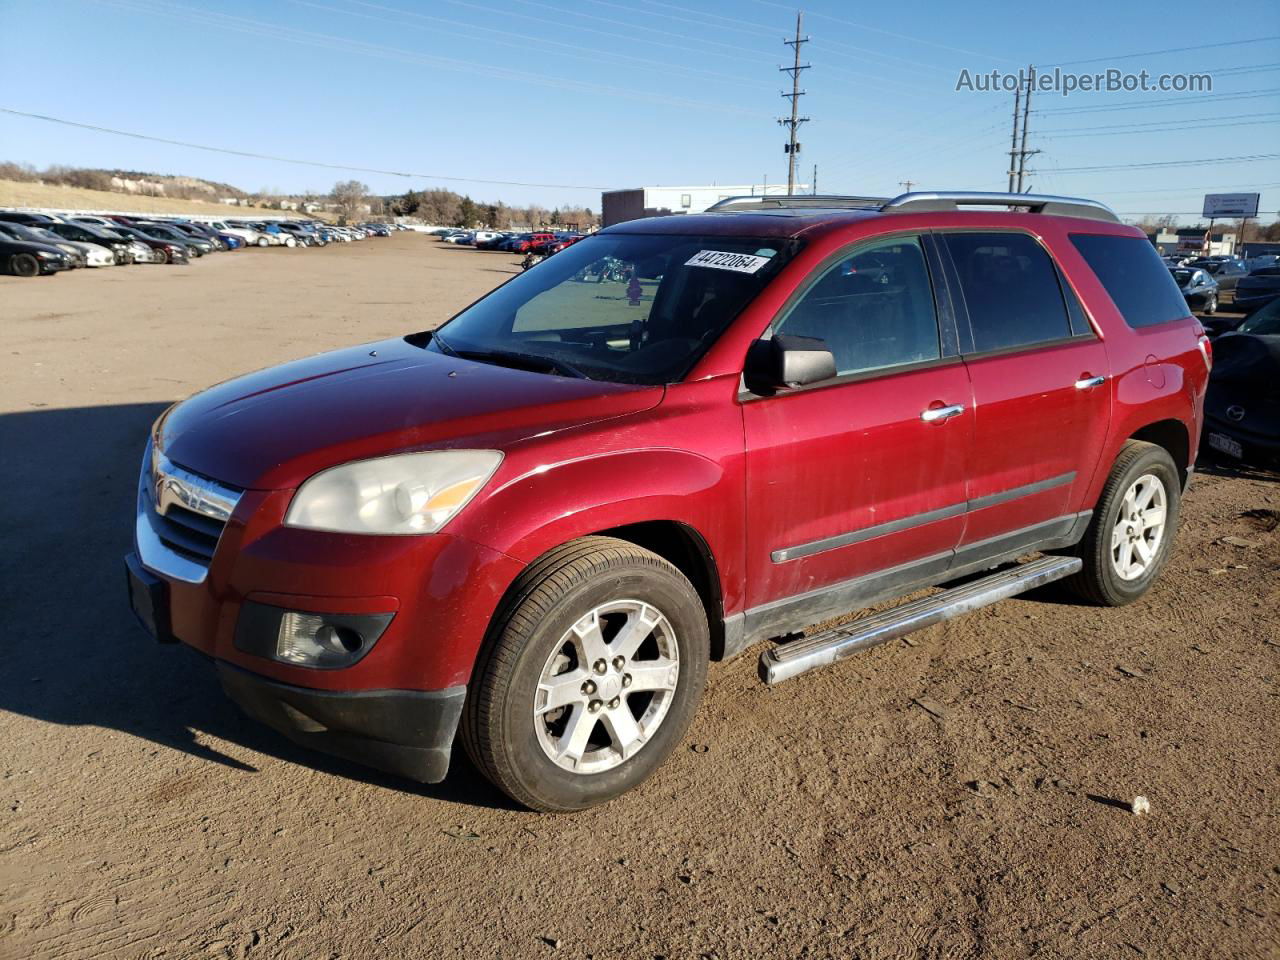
[[181, 516]]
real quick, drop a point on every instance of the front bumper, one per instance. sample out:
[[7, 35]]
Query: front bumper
[[408, 733]]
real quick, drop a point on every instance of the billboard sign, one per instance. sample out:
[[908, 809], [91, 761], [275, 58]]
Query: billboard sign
[[1231, 204]]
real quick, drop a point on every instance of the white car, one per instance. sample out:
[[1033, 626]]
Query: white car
[[480, 236], [246, 233]]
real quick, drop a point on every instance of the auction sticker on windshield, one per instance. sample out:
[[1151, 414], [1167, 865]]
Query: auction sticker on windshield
[[720, 260]]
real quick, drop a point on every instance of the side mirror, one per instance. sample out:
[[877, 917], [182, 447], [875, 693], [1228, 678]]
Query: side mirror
[[787, 361]]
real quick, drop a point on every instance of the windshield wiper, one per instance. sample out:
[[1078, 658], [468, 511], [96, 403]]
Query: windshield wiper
[[444, 347], [521, 361]]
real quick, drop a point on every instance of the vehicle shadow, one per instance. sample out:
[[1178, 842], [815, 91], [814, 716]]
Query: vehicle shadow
[[76, 656]]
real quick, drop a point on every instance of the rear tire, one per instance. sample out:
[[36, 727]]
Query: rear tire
[[615, 634], [24, 265], [1130, 537]]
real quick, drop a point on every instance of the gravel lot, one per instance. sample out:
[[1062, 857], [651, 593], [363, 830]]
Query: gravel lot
[[961, 793]]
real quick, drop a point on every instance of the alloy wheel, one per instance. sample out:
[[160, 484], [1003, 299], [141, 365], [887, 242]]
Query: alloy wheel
[[1138, 532], [607, 686]]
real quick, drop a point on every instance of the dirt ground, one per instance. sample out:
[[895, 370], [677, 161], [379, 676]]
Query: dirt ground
[[961, 793]]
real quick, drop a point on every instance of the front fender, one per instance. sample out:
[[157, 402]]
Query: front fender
[[547, 505]]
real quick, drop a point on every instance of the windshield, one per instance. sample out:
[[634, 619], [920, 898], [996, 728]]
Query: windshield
[[1266, 320], [628, 308]]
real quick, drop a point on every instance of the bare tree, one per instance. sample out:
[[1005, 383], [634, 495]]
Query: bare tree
[[350, 197]]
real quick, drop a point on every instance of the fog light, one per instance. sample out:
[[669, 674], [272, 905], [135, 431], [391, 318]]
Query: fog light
[[306, 638]]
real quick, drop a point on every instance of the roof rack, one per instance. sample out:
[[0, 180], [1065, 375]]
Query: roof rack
[[791, 201], [932, 202], [1034, 202]]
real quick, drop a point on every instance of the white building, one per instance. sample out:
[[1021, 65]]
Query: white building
[[618, 206]]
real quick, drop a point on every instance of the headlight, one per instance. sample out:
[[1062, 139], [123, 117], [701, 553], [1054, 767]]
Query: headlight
[[48, 255], [412, 493]]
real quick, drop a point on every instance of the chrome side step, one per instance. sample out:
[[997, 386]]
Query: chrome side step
[[800, 656]]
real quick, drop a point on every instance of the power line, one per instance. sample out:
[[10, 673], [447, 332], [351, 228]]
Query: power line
[[326, 41], [1159, 123], [1251, 158], [1153, 53], [1173, 128], [1163, 102], [887, 33], [307, 163], [601, 56]]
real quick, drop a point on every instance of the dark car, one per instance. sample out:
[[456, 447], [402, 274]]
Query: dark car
[[25, 259], [494, 243], [1227, 273], [86, 233], [1258, 289], [1198, 288], [170, 250], [196, 246], [36, 219], [1242, 406], [200, 231], [305, 233], [36, 233]]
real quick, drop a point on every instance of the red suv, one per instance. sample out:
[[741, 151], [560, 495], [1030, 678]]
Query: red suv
[[531, 241], [676, 438]]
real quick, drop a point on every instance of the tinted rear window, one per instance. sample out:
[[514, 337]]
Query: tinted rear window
[[1137, 280], [1010, 290]]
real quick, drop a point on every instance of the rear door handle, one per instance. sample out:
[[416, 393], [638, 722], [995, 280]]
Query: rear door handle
[[1088, 383], [934, 414]]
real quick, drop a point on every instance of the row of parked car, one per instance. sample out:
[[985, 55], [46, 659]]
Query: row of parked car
[[543, 243], [39, 244], [1254, 283]]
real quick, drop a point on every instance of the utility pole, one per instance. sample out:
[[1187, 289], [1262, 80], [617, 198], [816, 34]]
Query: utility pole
[[1013, 142], [814, 190], [792, 148], [1023, 152], [907, 184]]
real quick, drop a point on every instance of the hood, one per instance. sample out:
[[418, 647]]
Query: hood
[[275, 428]]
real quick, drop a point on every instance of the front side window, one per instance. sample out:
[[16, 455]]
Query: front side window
[[1010, 289], [630, 308], [873, 309]]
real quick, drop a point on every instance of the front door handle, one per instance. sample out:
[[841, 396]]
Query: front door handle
[[1088, 383], [934, 414]]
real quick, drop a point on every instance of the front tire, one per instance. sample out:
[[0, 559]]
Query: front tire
[[1130, 537], [24, 265], [1212, 305], [592, 671]]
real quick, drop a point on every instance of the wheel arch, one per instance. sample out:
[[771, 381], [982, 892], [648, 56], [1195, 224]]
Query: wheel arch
[[688, 551], [1172, 435]]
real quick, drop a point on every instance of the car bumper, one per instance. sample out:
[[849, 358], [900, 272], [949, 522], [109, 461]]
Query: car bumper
[[434, 595], [1248, 304], [408, 733], [1255, 447]]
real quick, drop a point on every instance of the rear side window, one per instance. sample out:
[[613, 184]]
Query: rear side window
[[1010, 289], [1137, 280]]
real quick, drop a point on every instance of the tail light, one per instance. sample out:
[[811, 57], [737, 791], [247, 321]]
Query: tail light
[[1206, 351]]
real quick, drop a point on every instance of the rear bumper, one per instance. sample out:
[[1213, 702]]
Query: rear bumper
[[408, 733]]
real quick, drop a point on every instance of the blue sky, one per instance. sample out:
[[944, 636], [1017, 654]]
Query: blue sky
[[616, 93]]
